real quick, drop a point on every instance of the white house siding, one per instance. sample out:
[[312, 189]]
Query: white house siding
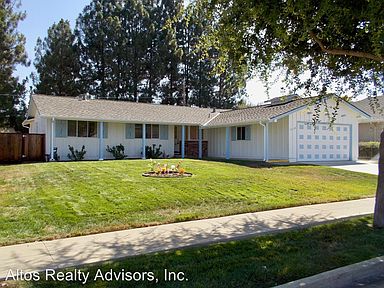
[[242, 149], [116, 136], [345, 116], [249, 149], [133, 147], [279, 139], [216, 142]]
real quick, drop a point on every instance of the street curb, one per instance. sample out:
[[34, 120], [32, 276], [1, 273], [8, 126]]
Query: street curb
[[341, 277]]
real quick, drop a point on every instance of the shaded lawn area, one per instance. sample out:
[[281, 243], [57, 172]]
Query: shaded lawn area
[[50, 200], [258, 262]]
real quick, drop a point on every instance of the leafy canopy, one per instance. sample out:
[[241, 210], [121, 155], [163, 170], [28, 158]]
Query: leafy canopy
[[321, 44]]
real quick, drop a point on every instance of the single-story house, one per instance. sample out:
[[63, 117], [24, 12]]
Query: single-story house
[[280, 130], [370, 129]]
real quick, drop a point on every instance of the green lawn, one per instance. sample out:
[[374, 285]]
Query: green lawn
[[258, 262], [50, 200]]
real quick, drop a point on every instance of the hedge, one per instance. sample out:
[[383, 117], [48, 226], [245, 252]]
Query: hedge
[[368, 150]]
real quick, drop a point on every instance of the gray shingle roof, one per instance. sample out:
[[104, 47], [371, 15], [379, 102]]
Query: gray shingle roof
[[107, 110], [257, 113], [373, 107]]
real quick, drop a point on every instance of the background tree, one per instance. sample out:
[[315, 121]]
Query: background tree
[[57, 62], [322, 45], [12, 52]]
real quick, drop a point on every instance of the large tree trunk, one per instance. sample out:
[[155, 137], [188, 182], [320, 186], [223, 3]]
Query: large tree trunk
[[378, 220]]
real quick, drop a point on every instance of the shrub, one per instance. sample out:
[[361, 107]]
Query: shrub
[[76, 155], [368, 150], [117, 151], [153, 152]]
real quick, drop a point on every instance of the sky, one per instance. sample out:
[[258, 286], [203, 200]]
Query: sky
[[41, 14]]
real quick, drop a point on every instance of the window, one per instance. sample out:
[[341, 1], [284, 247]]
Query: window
[[316, 146], [309, 146], [331, 147], [330, 137], [82, 129], [155, 131], [345, 129], [240, 133], [301, 146], [148, 131], [338, 129], [309, 137], [72, 128], [345, 138], [317, 156], [324, 146], [152, 131], [301, 136], [301, 126], [317, 137], [92, 129], [138, 131], [324, 137]]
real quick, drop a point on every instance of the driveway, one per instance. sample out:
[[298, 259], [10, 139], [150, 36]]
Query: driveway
[[370, 167]]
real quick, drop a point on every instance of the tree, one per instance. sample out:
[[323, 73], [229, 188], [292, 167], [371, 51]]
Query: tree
[[321, 44], [57, 62], [12, 52]]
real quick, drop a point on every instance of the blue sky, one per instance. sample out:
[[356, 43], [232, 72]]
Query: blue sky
[[41, 14]]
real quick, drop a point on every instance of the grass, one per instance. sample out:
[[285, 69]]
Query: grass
[[258, 262], [51, 200]]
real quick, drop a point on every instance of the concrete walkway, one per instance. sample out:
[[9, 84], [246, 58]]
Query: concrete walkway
[[76, 251], [370, 167]]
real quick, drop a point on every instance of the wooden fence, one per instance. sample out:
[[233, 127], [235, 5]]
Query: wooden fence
[[17, 147]]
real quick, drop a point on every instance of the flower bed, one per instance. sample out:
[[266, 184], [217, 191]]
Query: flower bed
[[166, 171], [170, 174]]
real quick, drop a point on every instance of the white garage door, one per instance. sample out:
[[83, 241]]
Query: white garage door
[[324, 144]]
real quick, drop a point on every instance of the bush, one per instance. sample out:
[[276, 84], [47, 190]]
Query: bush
[[368, 150], [153, 152], [117, 151], [76, 155]]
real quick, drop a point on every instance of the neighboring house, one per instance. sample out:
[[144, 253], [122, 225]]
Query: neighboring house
[[281, 130], [370, 129]]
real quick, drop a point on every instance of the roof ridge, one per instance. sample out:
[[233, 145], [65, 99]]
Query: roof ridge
[[127, 101]]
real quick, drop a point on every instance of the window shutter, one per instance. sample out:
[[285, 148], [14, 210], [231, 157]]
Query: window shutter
[[105, 130], [61, 128], [247, 132], [233, 133], [129, 131], [163, 132]]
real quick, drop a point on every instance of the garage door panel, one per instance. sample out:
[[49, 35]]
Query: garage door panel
[[324, 143]]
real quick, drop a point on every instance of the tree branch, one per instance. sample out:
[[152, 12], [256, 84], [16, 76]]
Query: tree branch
[[345, 52]]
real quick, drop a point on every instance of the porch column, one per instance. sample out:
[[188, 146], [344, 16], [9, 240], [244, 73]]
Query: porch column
[[143, 143], [266, 141], [101, 141], [227, 143], [200, 143], [53, 127], [182, 141]]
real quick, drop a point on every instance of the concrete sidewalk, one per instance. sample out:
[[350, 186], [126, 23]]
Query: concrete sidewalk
[[76, 251]]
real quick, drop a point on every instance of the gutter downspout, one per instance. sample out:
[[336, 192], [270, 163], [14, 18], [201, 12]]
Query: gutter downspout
[[266, 140]]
